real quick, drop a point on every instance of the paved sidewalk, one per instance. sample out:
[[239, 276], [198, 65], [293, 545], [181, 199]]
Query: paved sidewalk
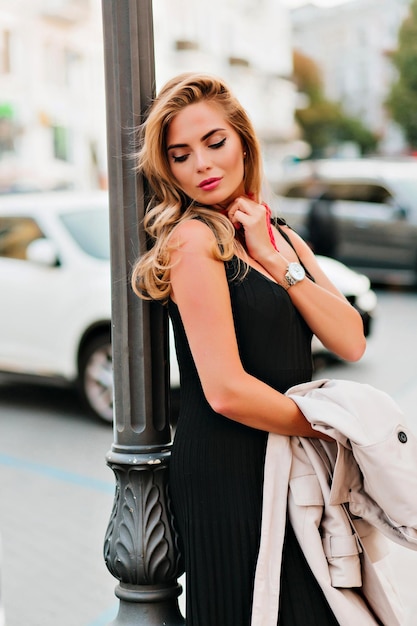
[[56, 499]]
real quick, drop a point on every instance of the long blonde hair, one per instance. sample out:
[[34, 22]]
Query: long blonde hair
[[169, 205]]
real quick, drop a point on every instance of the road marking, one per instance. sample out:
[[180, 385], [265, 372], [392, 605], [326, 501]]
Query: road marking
[[57, 474]]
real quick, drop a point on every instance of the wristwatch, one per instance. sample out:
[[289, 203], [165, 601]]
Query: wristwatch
[[294, 274]]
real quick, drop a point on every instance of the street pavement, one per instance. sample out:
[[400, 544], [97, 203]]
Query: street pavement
[[56, 500], [57, 492]]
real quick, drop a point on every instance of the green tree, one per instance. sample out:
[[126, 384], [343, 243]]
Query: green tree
[[402, 100], [324, 123]]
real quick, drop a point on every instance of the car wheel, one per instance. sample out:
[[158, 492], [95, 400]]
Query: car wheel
[[96, 377]]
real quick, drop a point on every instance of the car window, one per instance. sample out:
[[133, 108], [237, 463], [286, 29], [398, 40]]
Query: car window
[[90, 230], [16, 233], [297, 191], [359, 192], [353, 191]]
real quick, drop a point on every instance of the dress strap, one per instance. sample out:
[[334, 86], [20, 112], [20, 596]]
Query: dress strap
[[278, 222]]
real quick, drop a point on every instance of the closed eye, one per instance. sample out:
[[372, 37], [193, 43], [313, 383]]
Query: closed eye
[[183, 157], [180, 159], [219, 144]]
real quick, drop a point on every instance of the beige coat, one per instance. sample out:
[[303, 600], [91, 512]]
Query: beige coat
[[324, 484]]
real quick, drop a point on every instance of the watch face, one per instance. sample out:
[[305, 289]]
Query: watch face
[[296, 271]]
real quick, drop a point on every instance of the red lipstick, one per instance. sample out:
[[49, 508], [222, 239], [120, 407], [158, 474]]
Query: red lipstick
[[209, 183]]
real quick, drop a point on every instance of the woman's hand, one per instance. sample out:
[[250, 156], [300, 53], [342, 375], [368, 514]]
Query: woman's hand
[[252, 217], [326, 311]]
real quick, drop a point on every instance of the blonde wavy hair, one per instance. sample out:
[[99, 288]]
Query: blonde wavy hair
[[169, 205]]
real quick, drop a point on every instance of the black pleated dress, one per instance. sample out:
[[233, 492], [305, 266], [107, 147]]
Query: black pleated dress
[[217, 465]]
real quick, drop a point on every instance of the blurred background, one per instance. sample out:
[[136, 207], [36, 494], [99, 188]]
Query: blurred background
[[331, 87], [329, 79]]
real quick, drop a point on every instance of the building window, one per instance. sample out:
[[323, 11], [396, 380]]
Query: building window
[[60, 140], [238, 62], [7, 128], [186, 44], [5, 53]]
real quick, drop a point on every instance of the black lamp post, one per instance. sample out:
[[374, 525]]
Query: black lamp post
[[139, 546]]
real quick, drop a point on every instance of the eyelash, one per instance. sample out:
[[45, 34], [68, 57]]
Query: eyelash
[[184, 157], [180, 159], [217, 145]]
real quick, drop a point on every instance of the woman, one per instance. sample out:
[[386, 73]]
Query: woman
[[244, 299]]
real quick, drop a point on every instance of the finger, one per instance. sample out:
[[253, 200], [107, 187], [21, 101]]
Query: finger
[[233, 210], [234, 219]]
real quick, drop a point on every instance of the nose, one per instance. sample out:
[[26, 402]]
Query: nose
[[202, 160]]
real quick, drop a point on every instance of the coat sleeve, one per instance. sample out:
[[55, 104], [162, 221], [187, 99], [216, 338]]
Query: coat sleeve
[[368, 423]]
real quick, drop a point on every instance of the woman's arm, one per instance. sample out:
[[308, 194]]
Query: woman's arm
[[200, 290], [329, 315], [327, 312]]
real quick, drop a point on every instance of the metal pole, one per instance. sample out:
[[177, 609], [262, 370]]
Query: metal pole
[[140, 544]]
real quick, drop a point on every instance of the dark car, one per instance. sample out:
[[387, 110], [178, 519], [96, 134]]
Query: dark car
[[366, 210]]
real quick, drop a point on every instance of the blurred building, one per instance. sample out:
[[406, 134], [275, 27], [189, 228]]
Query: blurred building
[[52, 96], [248, 43], [52, 114], [352, 43]]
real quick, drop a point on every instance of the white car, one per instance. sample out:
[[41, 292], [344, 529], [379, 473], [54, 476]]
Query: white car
[[55, 293], [355, 287]]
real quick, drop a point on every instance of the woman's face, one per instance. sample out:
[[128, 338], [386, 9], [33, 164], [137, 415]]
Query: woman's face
[[206, 155]]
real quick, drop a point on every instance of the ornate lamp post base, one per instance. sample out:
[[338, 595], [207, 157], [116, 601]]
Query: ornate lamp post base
[[140, 543]]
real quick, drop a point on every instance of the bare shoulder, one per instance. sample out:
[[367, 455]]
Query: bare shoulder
[[192, 234]]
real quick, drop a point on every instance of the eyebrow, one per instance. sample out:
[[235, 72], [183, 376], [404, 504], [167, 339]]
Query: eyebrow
[[203, 138]]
